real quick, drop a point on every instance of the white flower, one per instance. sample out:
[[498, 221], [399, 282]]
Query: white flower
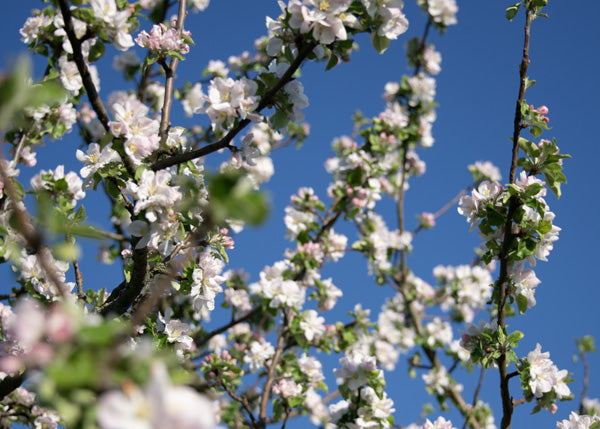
[[443, 11], [287, 388], [297, 221], [176, 330], [199, 5], [33, 27], [577, 422], [194, 100], [94, 160], [440, 423], [437, 380], [258, 354], [544, 375], [312, 325], [311, 367], [153, 193], [217, 67], [356, 366], [207, 282], [159, 405]]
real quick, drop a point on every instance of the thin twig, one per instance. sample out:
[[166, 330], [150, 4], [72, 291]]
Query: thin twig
[[476, 394], [264, 400], [242, 400], [17, 153], [586, 377], [170, 79], [78, 280]]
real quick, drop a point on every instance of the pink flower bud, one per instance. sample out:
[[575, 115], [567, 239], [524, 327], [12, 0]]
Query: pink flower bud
[[359, 203], [10, 364], [59, 326]]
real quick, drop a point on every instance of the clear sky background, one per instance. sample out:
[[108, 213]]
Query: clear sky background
[[476, 92]]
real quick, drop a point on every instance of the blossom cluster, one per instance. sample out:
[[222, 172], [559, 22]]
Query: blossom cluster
[[165, 40], [175, 224], [541, 379]]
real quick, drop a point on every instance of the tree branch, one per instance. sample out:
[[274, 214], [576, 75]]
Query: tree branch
[[10, 383], [225, 141], [126, 293], [170, 72], [264, 400], [86, 77], [502, 283]]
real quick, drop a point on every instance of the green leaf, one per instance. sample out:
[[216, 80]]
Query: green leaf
[[533, 189], [380, 43], [16, 92], [544, 226], [279, 119], [355, 177], [84, 14], [586, 343], [511, 11], [525, 247], [522, 304], [295, 402], [232, 197], [88, 231], [96, 51], [529, 147], [535, 130], [333, 61], [511, 356], [79, 215], [495, 216], [515, 337], [66, 251], [78, 371], [100, 335]]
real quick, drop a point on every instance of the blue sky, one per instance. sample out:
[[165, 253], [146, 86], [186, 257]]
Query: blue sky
[[476, 92]]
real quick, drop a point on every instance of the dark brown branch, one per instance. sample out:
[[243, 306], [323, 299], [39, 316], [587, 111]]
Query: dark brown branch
[[266, 100], [86, 77], [126, 293], [10, 383], [502, 283]]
